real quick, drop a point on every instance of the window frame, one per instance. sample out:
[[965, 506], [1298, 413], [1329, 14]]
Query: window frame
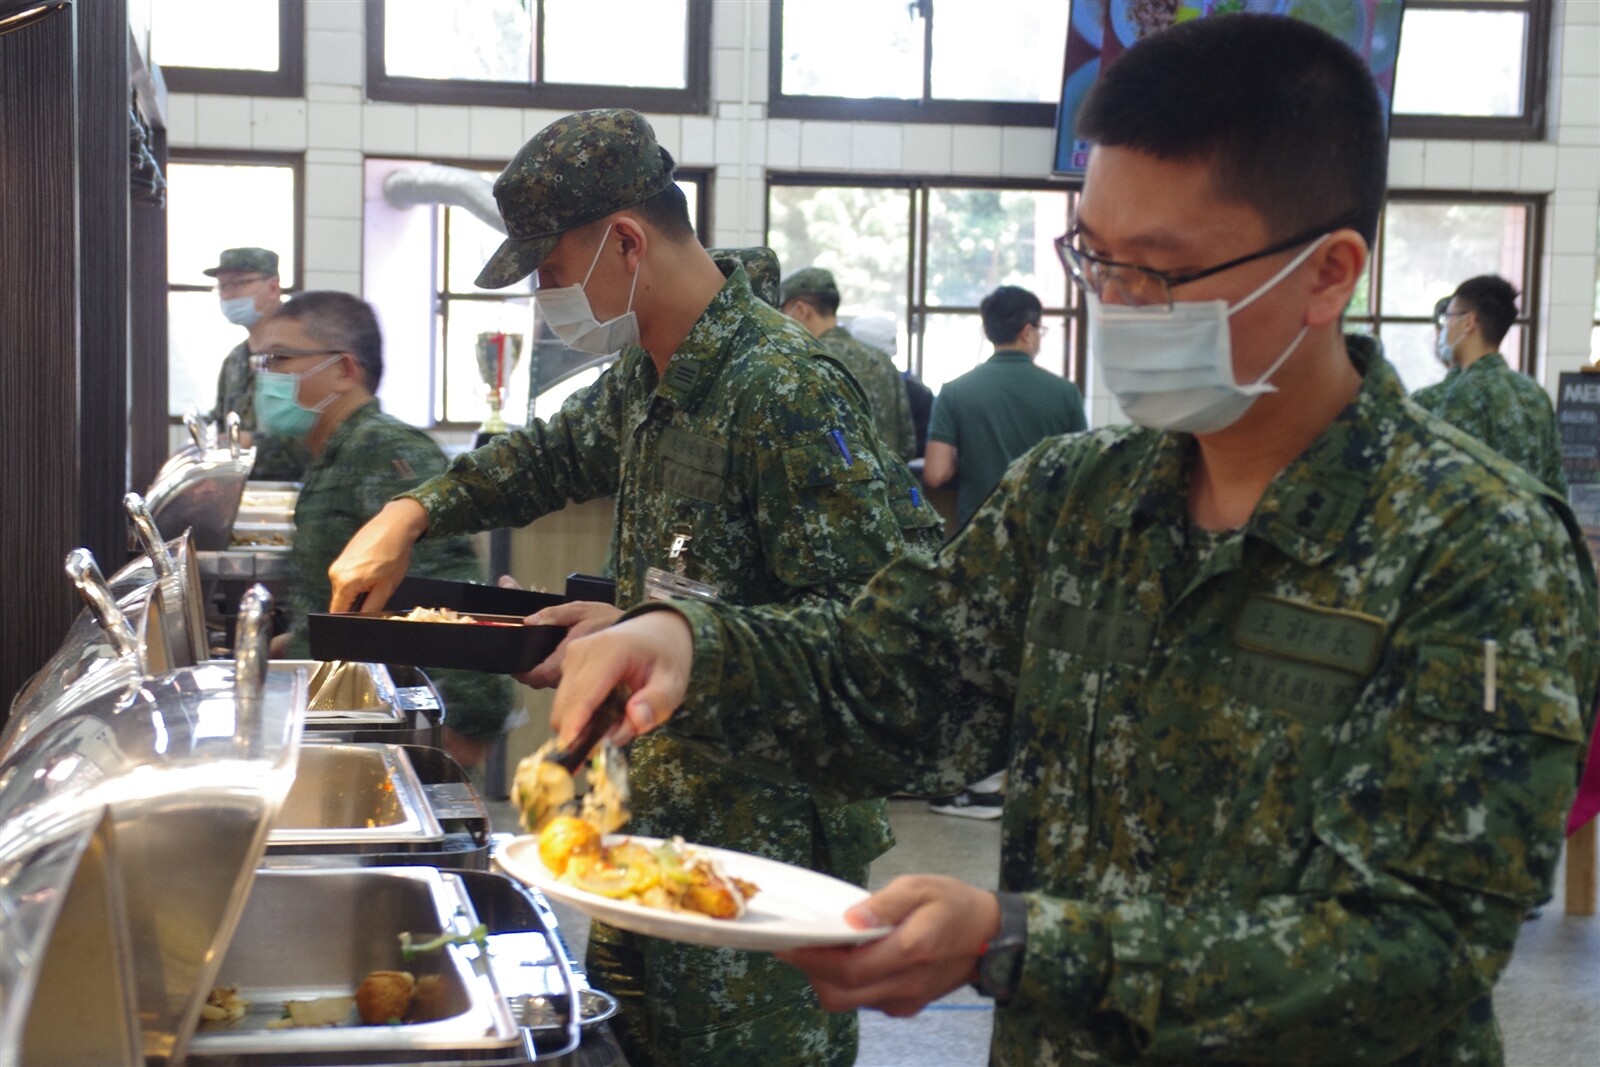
[[693, 99], [1074, 361], [443, 297], [288, 80], [1530, 125], [783, 105], [1530, 284], [296, 161]]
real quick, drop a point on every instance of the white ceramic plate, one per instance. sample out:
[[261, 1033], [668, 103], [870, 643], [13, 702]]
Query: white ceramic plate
[[794, 909]]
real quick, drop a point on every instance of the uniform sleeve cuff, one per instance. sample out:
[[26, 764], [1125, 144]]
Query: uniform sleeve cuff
[[695, 715], [441, 498], [1089, 962]]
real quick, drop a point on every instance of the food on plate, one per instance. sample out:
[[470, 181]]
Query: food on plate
[[672, 876], [421, 614], [223, 1005], [385, 997]]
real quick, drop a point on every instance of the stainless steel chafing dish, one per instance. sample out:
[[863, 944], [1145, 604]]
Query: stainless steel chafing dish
[[147, 620], [355, 796], [191, 766], [200, 489]]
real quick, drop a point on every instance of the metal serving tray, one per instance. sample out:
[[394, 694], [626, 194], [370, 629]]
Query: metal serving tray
[[318, 933], [355, 797]]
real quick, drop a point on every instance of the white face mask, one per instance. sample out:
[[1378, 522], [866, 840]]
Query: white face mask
[[1443, 348], [1173, 370], [568, 313]]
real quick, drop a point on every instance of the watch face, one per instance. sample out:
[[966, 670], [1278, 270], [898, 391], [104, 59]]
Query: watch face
[[999, 969]]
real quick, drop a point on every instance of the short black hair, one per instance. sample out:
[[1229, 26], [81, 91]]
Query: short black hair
[[1493, 300], [1286, 114], [826, 303], [343, 323], [667, 213], [1007, 311]]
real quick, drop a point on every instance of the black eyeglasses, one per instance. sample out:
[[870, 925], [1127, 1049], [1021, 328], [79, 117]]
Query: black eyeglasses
[[274, 359], [1445, 316], [1146, 287]]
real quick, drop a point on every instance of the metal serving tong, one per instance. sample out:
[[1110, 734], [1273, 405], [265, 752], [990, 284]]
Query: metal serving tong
[[544, 785]]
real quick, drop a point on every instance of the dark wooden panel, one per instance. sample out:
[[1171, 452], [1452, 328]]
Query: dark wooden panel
[[103, 99], [38, 346], [147, 316]]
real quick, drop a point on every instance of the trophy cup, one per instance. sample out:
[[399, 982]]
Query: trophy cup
[[497, 358]]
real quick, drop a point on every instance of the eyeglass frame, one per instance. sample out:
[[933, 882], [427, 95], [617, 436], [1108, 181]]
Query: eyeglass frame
[[1443, 321], [263, 361], [235, 284], [1069, 254]]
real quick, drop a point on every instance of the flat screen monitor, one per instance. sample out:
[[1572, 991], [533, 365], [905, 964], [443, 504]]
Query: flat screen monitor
[[1101, 30]]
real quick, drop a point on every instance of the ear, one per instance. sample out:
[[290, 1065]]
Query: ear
[[1337, 266], [635, 240], [350, 374]]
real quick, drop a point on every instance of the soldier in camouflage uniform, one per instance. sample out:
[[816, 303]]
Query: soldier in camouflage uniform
[[745, 468], [811, 298], [247, 286], [1482, 396], [760, 268], [1290, 706], [361, 458]]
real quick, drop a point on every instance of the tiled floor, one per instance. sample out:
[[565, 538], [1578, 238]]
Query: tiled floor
[[1548, 1001]]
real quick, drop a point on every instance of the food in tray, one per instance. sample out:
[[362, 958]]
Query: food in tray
[[223, 1005], [672, 877], [421, 614], [258, 539], [314, 1012]]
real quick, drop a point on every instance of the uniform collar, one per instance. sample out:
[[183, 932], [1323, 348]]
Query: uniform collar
[[1489, 361], [1309, 507], [1010, 355], [699, 360], [341, 433]]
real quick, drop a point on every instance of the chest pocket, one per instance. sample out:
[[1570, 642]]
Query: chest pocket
[[693, 466], [1309, 660]]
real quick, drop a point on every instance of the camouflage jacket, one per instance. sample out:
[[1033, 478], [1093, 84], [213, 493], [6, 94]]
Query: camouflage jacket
[[1505, 410], [756, 458], [278, 459], [880, 379], [1256, 806], [370, 458]]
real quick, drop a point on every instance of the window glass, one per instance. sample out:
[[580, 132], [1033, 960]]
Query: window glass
[[237, 35], [652, 53], [485, 40], [867, 48], [982, 238], [212, 206], [1461, 63], [1030, 36], [953, 344], [1430, 248], [861, 234], [466, 390]]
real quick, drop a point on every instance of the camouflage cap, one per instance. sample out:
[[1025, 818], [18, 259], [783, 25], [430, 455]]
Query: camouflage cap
[[575, 170], [812, 281], [760, 266], [255, 260]]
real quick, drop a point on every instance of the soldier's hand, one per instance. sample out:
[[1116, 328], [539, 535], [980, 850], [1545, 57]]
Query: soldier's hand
[[650, 654], [377, 557], [581, 618], [940, 927]]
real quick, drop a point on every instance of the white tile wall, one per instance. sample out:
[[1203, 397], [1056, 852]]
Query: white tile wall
[[277, 124], [222, 121], [336, 126]]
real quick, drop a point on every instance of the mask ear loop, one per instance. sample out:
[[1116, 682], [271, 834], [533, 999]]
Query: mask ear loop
[[1260, 384], [595, 262], [318, 369]]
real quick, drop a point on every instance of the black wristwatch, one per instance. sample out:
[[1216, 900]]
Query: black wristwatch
[[1000, 965]]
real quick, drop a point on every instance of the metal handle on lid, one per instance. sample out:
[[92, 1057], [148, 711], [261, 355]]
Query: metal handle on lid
[[91, 585], [145, 525], [197, 433], [235, 444], [252, 637]]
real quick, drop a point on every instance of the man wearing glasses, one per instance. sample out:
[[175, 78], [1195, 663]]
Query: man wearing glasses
[[315, 385], [249, 295], [1289, 679]]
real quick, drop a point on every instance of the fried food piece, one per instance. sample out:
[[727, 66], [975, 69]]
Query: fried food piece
[[564, 838], [429, 1000], [223, 1005], [319, 1011], [384, 996]]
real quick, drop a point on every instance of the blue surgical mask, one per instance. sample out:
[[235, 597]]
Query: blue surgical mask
[[241, 311], [1173, 370], [278, 408]]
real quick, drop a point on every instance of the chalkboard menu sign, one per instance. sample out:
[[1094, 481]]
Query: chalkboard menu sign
[[1578, 416]]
